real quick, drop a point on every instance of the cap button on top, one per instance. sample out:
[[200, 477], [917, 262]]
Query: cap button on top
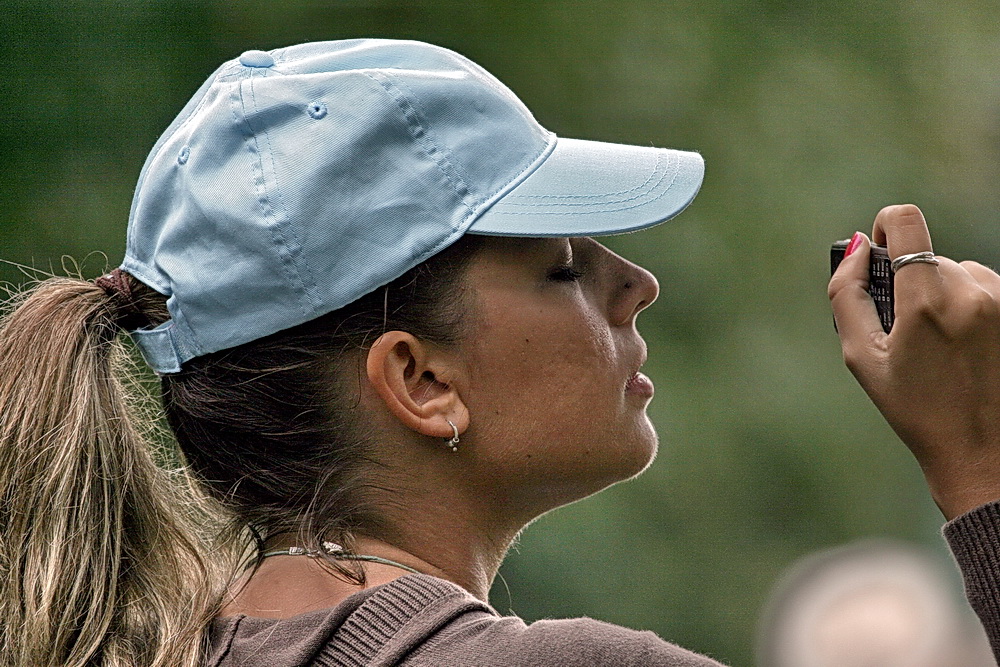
[[256, 59]]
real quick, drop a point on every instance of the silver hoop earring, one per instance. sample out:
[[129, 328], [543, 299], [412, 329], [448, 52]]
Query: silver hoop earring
[[453, 443]]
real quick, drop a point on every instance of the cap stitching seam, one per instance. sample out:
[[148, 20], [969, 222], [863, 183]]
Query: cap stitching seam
[[183, 342], [659, 160], [278, 56], [284, 67], [267, 208], [488, 199], [412, 98], [652, 188], [421, 135], [602, 210], [302, 271]]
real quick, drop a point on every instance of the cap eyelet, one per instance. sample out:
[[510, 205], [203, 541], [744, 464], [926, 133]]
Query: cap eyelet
[[316, 110], [183, 156]]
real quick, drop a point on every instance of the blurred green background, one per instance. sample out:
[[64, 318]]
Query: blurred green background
[[810, 116]]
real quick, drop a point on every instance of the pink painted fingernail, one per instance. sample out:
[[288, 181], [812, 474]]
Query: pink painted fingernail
[[853, 245]]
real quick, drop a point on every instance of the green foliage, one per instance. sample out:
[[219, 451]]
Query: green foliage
[[811, 116]]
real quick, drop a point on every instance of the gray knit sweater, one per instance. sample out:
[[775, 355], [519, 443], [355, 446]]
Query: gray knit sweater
[[422, 621]]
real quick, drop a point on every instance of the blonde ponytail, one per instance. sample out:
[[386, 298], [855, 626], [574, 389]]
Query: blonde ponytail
[[98, 561]]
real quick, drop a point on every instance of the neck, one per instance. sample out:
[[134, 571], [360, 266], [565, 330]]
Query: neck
[[437, 538], [442, 537]]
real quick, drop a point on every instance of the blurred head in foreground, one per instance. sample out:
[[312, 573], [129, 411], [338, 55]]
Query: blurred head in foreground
[[870, 604]]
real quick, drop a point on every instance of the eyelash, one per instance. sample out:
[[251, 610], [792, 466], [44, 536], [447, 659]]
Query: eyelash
[[565, 274]]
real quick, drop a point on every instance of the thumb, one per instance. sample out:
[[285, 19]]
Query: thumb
[[854, 311]]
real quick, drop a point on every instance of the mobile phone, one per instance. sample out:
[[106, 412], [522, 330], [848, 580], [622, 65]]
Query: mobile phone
[[879, 279]]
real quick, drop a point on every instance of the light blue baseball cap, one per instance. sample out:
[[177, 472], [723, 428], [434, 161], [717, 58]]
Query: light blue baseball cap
[[300, 179]]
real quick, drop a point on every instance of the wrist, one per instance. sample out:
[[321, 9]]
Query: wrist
[[957, 494]]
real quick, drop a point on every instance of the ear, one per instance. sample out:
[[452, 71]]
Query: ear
[[414, 380]]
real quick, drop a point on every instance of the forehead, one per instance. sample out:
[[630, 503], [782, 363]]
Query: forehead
[[540, 247]]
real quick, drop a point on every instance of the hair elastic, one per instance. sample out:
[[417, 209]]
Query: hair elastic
[[116, 285]]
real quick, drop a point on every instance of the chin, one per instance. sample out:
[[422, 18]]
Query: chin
[[633, 456], [639, 445], [558, 481], [645, 450]]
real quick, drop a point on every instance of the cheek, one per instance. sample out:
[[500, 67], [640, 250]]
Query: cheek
[[554, 391], [537, 363]]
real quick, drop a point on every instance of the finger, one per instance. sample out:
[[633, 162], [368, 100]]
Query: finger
[[956, 300], [969, 301], [903, 230], [853, 309], [984, 275]]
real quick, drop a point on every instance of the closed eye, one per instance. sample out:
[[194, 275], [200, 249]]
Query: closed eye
[[565, 273]]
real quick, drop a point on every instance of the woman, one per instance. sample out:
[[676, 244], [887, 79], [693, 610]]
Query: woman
[[386, 342]]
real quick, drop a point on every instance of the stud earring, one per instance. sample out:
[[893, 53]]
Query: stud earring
[[453, 443]]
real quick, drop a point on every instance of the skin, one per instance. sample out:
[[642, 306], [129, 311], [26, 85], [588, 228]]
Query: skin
[[537, 392], [936, 376]]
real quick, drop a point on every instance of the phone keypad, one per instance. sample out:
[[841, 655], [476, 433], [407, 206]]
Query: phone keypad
[[879, 279], [880, 287]]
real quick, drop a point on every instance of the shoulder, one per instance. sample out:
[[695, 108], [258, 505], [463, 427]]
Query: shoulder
[[605, 643], [421, 621], [376, 626], [483, 638]]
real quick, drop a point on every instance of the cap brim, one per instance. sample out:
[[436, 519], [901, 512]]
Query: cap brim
[[591, 188]]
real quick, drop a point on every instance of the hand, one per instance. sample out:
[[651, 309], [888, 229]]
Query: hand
[[936, 377]]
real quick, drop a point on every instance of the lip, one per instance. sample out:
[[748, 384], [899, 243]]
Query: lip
[[639, 385]]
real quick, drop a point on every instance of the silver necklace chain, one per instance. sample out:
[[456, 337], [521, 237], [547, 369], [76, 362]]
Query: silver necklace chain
[[337, 553]]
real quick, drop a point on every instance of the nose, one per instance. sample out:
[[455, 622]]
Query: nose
[[635, 289]]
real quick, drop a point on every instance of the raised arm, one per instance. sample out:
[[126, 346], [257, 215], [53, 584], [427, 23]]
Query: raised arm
[[936, 380]]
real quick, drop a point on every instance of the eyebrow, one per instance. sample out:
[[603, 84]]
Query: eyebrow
[[542, 249], [543, 246]]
